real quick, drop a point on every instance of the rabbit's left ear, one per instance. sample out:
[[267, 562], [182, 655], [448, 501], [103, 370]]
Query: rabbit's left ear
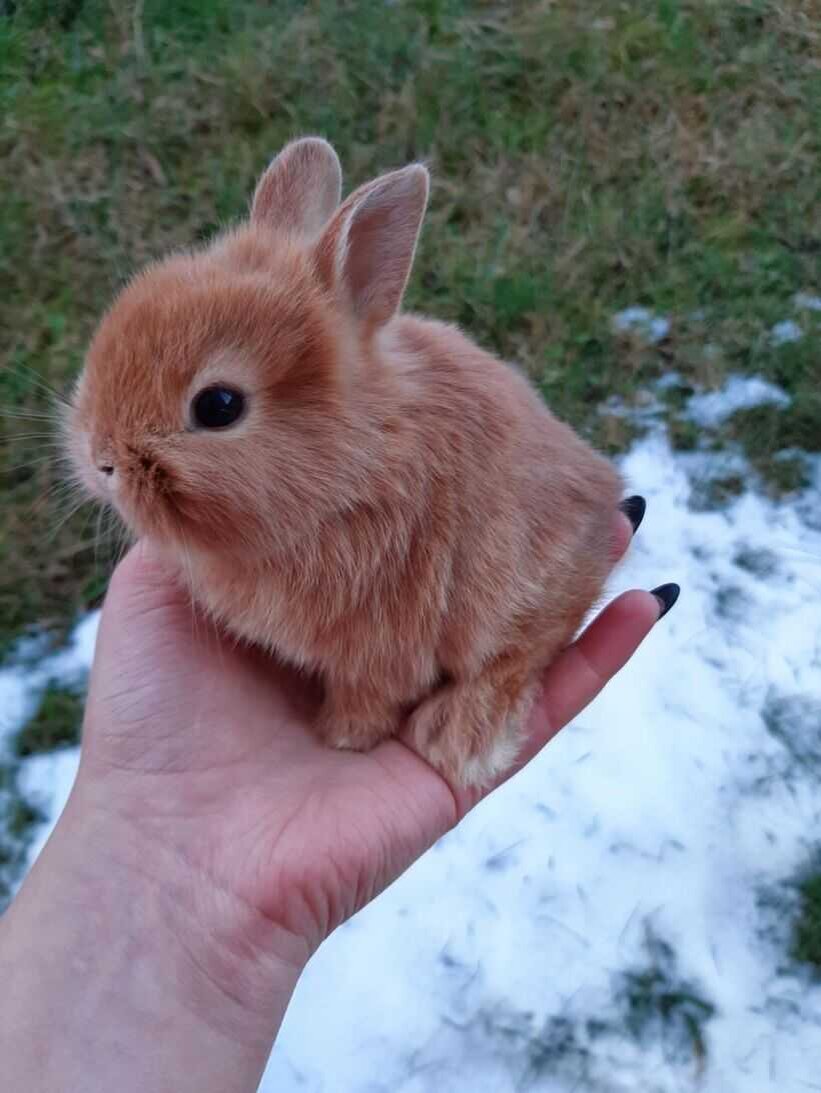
[[300, 190], [366, 252]]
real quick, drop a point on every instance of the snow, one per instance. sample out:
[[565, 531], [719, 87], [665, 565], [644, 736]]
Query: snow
[[739, 393], [786, 331], [668, 811], [640, 320], [806, 301], [22, 682], [45, 780], [668, 802]]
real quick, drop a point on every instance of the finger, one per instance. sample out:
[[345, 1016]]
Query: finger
[[626, 523], [621, 538], [634, 509], [146, 618], [144, 582], [582, 670]]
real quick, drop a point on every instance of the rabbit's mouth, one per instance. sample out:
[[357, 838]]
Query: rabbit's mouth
[[140, 490]]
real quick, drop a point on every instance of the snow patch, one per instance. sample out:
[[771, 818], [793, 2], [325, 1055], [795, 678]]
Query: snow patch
[[643, 322], [498, 961], [710, 408], [806, 301], [657, 808], [668, 380], [22, 682], [45, 780], [785, 332]]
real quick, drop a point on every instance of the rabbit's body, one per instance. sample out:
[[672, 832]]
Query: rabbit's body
[[436, 571], [397, 510]]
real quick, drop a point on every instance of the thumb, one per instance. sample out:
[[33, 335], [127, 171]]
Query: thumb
[[142, 585], [147, 654]]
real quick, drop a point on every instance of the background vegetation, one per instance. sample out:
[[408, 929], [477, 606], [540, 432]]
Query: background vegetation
[[587, 156]]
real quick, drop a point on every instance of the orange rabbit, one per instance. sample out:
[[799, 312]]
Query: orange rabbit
[[364, 493]]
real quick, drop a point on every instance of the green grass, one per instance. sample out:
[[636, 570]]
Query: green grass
[[806, 933], [653, 1004], [55, 724], [759, 561], [17, 819], [791, 909], [769, 435], [560, 1047], [710, 494], [659, 1003], [795, 721], [587, 156]]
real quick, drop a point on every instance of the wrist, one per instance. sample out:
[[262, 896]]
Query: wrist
[[141, 954], [236, 948]]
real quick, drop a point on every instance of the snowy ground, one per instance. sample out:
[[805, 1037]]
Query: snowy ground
[[616, 917]]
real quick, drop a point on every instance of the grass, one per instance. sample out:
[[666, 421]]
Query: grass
[[759, 561], [652, 1004], [586, 157], [560, 1047], [659, 1003], [790, 909], [709, 494], [55, 724], [795, 721], [770, 436], [17, 819], [806, 932]]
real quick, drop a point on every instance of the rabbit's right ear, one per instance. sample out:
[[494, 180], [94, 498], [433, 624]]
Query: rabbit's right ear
[[365, 254], [300, 190]]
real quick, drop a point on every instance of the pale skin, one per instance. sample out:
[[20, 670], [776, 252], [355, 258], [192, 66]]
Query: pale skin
[[211, 843]]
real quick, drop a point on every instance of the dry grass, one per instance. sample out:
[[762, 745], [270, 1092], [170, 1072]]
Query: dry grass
[[587, 156]]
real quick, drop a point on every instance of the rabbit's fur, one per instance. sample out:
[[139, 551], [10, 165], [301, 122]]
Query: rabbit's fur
[[396, 510]]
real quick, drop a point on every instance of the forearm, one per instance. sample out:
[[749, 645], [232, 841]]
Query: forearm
[[118, 970]]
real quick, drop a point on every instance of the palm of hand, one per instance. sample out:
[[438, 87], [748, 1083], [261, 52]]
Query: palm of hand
[[209, 750]]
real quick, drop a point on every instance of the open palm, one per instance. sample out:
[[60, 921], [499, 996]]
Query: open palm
[[208, 749]]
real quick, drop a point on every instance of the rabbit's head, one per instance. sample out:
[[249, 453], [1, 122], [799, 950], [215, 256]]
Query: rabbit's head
[[219, 406]]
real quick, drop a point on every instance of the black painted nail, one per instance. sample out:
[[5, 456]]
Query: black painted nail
[[666, 594], [634, 509]]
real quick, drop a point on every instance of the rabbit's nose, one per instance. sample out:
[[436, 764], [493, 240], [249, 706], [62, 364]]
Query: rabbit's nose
[[103, 455]]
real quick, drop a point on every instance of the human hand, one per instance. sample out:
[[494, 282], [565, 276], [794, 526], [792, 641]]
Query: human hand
[[211, 843], [205, 749]]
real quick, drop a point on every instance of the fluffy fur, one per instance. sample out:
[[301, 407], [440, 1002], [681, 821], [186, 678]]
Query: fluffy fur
[[397, 510]]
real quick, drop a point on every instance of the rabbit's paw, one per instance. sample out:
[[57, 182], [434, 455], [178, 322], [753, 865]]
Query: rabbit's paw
[[356, 730], [470, 732]]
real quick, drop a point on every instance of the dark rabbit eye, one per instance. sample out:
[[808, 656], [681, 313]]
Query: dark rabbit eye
[[217, 407]]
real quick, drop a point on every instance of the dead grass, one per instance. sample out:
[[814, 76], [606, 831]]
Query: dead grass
[[587, 157]]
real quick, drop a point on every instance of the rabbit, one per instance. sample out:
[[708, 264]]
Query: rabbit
[[365, 494]]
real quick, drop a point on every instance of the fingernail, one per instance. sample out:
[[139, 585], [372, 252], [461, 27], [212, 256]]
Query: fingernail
[[666, 594], [634, 509]]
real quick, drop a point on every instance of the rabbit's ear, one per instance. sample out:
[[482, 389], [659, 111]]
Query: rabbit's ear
[[300, 190], [366, 252]]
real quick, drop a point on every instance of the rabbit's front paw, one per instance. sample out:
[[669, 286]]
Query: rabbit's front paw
[[356, 728]]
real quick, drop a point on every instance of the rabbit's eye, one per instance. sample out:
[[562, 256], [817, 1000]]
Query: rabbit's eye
[[217, 407]]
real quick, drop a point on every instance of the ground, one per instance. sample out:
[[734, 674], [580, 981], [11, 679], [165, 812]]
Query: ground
[[640, 908], [626, 201], [587, 157]]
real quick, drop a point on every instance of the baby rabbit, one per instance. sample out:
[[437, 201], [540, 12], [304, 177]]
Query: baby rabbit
[[364, 493]]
